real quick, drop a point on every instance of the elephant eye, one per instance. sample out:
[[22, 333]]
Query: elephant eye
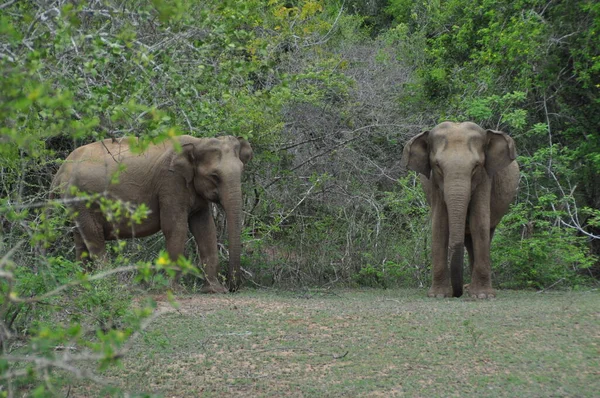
[[215, 177], [438, 168]]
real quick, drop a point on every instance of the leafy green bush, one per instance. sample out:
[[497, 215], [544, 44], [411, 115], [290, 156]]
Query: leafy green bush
[[530, 252]]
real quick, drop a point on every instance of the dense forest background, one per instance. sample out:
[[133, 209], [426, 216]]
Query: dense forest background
[[327, 92]]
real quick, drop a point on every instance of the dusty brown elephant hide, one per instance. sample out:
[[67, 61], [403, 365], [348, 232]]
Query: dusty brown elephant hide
[[470, 177], [177, 185]]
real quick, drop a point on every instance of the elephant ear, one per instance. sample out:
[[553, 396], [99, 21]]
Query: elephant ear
[[245, 150], [183, 163], [415, 155], [500, 151]]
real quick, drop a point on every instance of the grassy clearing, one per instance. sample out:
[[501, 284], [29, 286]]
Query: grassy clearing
[[367, 343]]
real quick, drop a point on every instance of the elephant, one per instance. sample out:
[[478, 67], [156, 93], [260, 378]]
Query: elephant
[[470, 177], [177, 180]]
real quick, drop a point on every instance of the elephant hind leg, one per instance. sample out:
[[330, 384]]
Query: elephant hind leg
[[469, 247], [89, 238], [81, 250]]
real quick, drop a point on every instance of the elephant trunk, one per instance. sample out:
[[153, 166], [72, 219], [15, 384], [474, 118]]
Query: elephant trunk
[[232, 203], [457, 201]]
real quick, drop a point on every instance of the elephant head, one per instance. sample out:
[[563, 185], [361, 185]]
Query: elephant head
[[457, 159], [213, 167]]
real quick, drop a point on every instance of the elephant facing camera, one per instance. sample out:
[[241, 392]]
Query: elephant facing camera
[[470, 177]]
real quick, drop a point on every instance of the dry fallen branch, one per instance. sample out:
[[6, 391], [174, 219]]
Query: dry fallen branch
[[340, 356]]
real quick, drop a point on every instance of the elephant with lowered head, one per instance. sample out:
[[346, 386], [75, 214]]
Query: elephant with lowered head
[[470, 177], [177, 180]]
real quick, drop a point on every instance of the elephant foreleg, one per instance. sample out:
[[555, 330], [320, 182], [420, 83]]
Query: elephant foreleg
[[440, 286], [481, 272], [203, 228]]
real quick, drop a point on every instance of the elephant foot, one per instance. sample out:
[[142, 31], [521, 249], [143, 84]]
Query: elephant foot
[[481, 292], [440, 292], [213, 287]]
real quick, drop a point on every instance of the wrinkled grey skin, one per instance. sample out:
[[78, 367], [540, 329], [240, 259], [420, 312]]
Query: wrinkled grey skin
[[176, 185], [470, 177]]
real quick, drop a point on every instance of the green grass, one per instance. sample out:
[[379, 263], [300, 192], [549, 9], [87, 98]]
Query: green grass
[[367, 343]]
